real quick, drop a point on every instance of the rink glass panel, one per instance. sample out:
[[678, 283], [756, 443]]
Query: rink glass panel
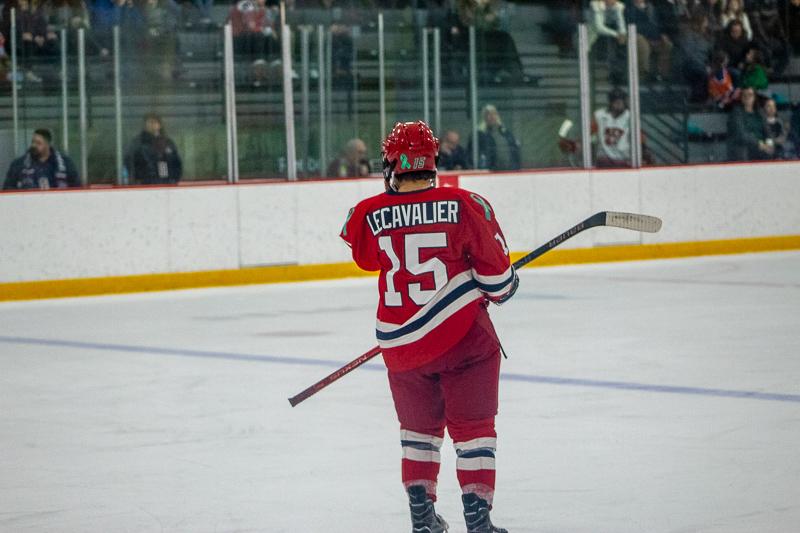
[[527, 66], [176, 74], [334, 58]]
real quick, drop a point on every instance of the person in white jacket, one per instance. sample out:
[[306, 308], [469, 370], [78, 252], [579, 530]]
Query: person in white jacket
[[735, 11], [608, 31]]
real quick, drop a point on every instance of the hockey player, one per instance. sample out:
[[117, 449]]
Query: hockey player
[[442, 257], [612, 126]]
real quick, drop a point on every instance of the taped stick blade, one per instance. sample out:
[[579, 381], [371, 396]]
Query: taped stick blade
[[633, 221]]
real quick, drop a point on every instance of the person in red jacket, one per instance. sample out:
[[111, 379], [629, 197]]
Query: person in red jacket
[[442, 256], [253, 28]]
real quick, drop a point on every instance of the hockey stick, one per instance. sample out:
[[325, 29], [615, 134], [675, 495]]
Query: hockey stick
[[615, 219]]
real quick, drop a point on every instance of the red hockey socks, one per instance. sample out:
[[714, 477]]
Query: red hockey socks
[[475, 444], [421, 459]]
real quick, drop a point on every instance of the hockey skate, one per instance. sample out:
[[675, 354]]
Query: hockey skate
[[423, 516], [476, 514]]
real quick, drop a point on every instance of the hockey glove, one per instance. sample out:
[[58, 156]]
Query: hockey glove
[[510, 293]]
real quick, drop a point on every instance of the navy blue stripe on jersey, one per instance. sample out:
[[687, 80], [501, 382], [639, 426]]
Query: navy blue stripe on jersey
[[479, 452], [485, 287], [432, 312]]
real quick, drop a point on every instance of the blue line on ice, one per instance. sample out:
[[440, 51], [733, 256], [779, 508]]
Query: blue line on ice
[[525, 378]]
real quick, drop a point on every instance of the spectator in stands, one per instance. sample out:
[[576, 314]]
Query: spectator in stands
[[340, 23], [770, 35], [608, 31], [612, 129], [777, 128], [563, 25], [735, 44], [204, 8], [497, 147], [650, 39], [452, 155], [34, 41], [452, 40], [128, 15], [43, 7], [73, 15], [253, 26], [153, 158], [713, 10], [794, 129], [748, 136], [5, 61], [42, 167], [100, 11], [721, 87], [754, 73], [669, 14], [352, 162], [735, 11], [695, 45], [498, 57], [161, 44], [101, 14]]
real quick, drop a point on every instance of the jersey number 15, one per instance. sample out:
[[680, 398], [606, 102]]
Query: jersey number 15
[[413, 243]]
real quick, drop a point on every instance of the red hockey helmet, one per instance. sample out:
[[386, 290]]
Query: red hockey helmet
[[410, 147]]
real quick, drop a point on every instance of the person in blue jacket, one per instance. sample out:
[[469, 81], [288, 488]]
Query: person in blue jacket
[[42, 167]]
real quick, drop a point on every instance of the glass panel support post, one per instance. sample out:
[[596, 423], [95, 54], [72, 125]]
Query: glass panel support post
[[321, 86], [633, 91], [64, 93], [585, 96], [437, 81], [15, 79], [84, 165], [382, 75], [230, 108], [288, 103], [473, 94], [121, 178], [426, 80], [305, 34]]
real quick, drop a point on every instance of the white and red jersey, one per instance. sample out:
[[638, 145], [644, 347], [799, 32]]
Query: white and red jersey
[[613, 135], [440, 253]]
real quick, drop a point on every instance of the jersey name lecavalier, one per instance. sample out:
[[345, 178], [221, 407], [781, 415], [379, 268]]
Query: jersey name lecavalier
[[417, 214], [440, 253]]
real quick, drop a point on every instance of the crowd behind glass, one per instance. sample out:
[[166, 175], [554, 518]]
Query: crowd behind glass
[[728, 57]]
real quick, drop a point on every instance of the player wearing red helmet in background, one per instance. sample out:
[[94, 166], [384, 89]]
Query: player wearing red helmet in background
[[441, 256]]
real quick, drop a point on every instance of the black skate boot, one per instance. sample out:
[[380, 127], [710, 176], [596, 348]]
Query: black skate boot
[[423, 516], [476, 514]]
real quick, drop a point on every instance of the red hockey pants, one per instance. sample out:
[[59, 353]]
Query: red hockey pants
[[458, 390]]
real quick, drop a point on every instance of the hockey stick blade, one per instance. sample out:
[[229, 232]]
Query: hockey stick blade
[[633, 221]]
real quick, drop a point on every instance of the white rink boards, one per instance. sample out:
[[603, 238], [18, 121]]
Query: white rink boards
[[650, 397]]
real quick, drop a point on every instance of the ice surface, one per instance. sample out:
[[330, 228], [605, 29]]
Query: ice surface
[[168, 411]]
